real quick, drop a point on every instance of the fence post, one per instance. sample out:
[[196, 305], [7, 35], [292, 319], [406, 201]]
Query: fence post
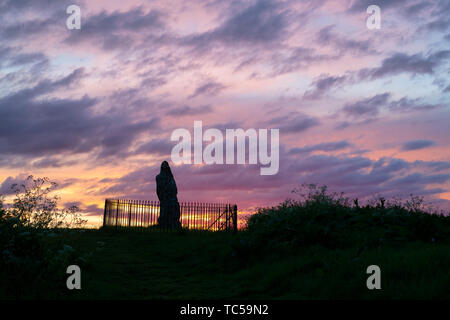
[[235, 219], [129, 212], [117, 211], [104, 213]]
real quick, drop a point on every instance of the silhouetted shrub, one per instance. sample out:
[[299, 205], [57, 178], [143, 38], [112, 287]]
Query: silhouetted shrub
[[33, 255], [328, 219]]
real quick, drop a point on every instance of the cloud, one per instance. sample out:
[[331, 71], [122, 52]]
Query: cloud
[[28, 28], [325, 146], [411, 105], [326, 36], [153, 82], [189, 111], [414, 64], [420, 178], [35, 125], [5, 187], [293, 123], [390, 165], [438, 25], [211, 88], [52, 162], [293, 59], [417, 145], [160, 147], [439, 13], [434, 165], [140, 63], [92, 210], [114, 30], [322, 85], [362, 5], [11, 57], [357, 176], [367, 107], [366, 110], [261, 23], [40, 5]]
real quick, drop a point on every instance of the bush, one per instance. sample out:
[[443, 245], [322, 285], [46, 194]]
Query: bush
[[329, 220], [33, 255], [35, 207]]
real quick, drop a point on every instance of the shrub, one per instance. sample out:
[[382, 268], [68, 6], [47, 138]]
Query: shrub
[[33, 255], [328, 219], [35, 207]]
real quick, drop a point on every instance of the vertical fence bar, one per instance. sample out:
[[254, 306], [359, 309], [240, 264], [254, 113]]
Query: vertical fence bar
[[235, 221], [151, 211], [134, 213], [121, 211], [129, 213], [204, 215], [104, 213], [207, 216], [149, 208], [190, 216], [131, 207], [210, 210], [193, 215], [117, 211], [205, 219], [193, 211], [201, 215], [154, 217], [218, 211], [199, 211], [182, 214], [120, 204], [133, 217], [138, 214], [147, 223], [141, 212]]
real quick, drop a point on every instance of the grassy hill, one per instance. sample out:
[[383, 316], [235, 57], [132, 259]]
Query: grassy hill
[[318, 248], [132, 265]]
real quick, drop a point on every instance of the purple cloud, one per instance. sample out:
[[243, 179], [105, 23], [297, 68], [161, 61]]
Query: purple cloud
[[417, 145]]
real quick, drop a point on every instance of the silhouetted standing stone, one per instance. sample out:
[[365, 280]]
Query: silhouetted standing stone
[[166, 189]]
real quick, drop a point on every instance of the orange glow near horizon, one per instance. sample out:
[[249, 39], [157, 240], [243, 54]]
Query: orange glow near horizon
[[94, 109]]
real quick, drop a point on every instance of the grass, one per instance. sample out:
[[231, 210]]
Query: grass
[[318, 248], [202, 265]]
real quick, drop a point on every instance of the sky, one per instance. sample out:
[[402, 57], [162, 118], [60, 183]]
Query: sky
[[365, 112]]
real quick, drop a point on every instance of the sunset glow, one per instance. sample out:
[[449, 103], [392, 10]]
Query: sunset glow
[[363, 111]]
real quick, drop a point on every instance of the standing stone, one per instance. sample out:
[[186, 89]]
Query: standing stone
[[166, 189]]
